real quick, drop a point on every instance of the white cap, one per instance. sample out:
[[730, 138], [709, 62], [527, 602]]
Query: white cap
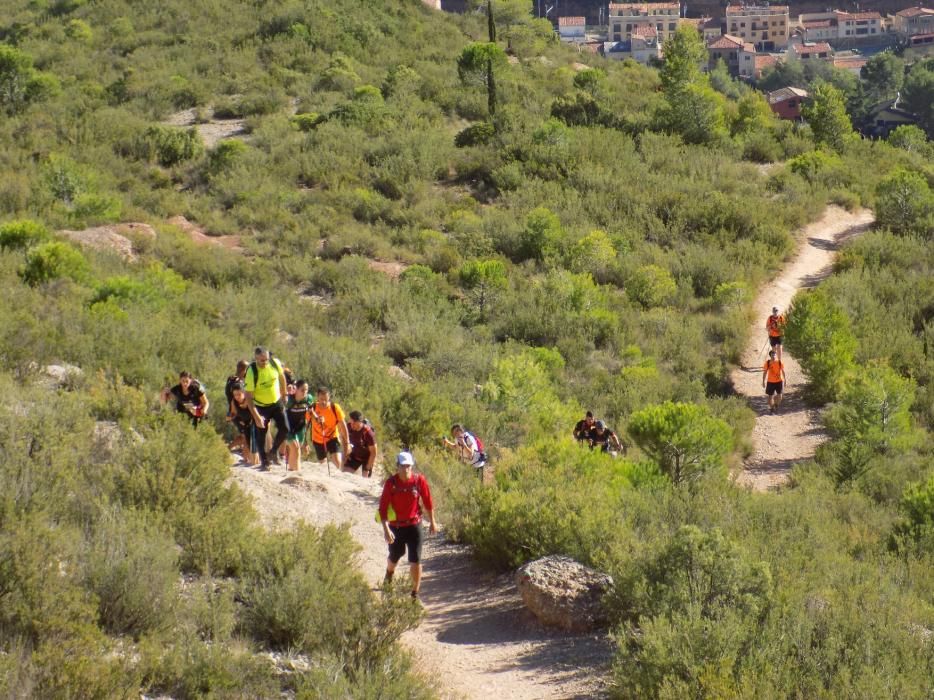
[[405, 458]]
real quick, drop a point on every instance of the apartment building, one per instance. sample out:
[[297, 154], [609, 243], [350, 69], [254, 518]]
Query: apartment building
[[913, 21], [765, 26], [624, 19]]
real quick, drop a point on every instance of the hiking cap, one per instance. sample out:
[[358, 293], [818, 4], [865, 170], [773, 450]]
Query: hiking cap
[[600, 425], [405, 459]]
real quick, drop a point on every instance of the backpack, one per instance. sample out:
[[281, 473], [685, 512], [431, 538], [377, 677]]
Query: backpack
[[255, 370], [390, 512], [228, 388], [775, 323], [476, 440]]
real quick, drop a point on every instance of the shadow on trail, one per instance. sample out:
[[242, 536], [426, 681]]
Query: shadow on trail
[[468, 606]]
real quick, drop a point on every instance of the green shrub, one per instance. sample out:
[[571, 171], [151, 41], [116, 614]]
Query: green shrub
[[22, 234], [818, 334], [306, 121], [905, 204], [301, 591], [651, 286], [169, 145], [53, 260], [131, 568], [684, 440], [479, 134]]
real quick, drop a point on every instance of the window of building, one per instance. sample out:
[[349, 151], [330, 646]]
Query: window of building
[[617, 28], [628, 27], [671, 26]]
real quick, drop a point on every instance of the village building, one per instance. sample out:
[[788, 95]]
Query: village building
[[913, 21], [664, 17], [738, 55], [787, 102], [817, 51], [643, 47], [572, 28], [765, 26], [887, 116]]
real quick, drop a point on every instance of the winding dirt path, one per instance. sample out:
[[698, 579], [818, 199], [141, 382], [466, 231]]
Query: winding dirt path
[[781, 441], [476, 639]]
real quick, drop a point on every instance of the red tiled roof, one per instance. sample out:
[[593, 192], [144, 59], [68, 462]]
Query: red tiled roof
[[850, 62], [807, 49], [645, 30], [572, 21], [726, 41], [816, 23], [915, 12], [765, 60]]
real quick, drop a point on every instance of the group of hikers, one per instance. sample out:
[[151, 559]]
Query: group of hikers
[[264, 392]]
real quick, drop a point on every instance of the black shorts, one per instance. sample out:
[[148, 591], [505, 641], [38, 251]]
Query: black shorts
[[407, 536], [354, 463], [773, 388], [332, 447], [775, 340]]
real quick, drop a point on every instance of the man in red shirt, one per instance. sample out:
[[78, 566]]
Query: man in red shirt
[[401, 515]]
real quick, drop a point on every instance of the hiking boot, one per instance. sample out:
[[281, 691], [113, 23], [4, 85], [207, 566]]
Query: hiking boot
[[263, 468]]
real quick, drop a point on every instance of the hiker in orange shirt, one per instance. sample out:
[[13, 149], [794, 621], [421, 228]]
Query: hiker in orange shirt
[[328, 429], [775, 325], [773, 381]]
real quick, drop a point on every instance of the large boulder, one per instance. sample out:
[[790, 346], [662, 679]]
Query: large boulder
[[564, 593], [112, 237]]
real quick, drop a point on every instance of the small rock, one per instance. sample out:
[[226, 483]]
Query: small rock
[[564, 593], [58, 376], [399, 373]]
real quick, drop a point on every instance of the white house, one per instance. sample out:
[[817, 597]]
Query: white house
[[571, 28]]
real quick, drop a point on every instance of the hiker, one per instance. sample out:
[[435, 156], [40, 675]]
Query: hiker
[[401, 516], [775, 325], [190, 397], [265, 389], [362, 445], [238, 413], [773, 381], [240, 441], [583, 427], [467, 446], [328, 429], [298, 409], [604, 438]]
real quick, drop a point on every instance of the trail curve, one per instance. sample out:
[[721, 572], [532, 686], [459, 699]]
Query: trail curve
[[780, 441]]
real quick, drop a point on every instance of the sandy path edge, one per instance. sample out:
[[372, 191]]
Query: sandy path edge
[[781, 441]]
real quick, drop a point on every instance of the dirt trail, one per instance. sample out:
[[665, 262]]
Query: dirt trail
[[476, 639], [780, 441]]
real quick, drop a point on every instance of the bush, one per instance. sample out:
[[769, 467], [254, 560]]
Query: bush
[[131, 568], [475, 135], [905, 204], [684, 440], [651, 286], [22, 234], [53, 260], [301, 591], [169, 145], [818, 334]]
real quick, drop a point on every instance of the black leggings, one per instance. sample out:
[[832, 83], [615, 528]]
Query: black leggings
[[274, 413]]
